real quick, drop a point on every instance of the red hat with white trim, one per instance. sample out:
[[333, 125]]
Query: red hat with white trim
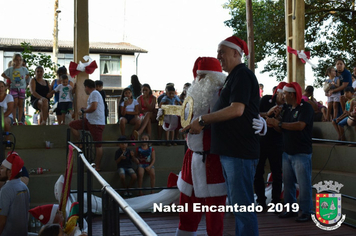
[[294, 87], [45, 213], [204, 65], [236, 43], [279, 89], [14, 163]]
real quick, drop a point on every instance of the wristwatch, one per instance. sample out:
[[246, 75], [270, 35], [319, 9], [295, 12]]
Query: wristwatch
[[201, 121], [280, 124]]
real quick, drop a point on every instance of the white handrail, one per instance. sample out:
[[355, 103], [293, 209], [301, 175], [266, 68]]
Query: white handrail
[[141, 225]]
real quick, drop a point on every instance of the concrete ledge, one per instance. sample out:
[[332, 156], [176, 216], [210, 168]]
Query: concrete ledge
[[325, 130]]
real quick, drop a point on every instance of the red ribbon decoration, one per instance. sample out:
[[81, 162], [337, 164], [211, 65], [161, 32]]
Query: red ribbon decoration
[[88, 69], [297, 53]]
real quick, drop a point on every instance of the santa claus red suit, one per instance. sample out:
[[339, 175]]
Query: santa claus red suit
[[201, 180]]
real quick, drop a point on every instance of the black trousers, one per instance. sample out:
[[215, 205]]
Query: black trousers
[[274, 156]]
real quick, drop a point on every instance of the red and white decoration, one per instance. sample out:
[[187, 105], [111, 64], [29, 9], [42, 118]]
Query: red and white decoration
[[304, 56], [89, 66]]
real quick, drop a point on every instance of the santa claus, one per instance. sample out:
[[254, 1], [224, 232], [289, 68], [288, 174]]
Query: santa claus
[[201, 179]]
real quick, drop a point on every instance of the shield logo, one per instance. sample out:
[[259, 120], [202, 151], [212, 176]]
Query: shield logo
[[328, 208]]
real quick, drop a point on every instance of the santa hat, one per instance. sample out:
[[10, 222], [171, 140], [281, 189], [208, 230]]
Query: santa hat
[[279, 89], [236, 43], [45, 213], [13, 162], [204, 65], [294, 87]]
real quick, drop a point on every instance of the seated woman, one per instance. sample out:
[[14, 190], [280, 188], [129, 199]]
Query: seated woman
[[128, 113], [7, 104], [39, 91], [147, 104]]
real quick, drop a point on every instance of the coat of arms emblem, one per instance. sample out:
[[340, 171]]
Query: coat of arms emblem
[[328, 205]]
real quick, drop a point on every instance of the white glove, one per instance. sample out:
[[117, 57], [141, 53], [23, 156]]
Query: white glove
[[259, 125], [159, 113]]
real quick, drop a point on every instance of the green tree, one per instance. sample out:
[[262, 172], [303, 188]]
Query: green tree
[[33, 60], [330, 33]]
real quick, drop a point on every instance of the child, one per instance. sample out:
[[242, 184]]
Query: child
[[170, 99], [16, 76], [123, 159], [145, 156], [333, 99], [129, 111], [99, 87], [65, 103], [341, 121]]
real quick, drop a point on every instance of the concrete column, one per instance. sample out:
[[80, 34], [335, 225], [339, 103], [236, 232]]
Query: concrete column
[[80, 49]]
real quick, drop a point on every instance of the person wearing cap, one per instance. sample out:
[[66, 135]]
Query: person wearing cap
[[232, 134], [14, 197], [94, 120], [271, 149], [295, 121], [201, 179]]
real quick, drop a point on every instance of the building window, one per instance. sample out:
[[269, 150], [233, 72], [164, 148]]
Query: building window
[[110, 71], [110, 65], [65, 59]]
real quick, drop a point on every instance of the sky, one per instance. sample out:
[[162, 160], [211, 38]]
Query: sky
[[174, 32]]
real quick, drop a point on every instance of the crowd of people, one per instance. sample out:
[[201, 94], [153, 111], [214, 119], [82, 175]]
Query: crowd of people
[[225, 156]]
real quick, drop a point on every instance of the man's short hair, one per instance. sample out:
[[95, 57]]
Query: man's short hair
[[89, 83], [309, 89], [99, 83]]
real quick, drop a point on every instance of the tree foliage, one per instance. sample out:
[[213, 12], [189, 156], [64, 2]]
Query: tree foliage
[[33, 60], [39, 59], [330, 33]]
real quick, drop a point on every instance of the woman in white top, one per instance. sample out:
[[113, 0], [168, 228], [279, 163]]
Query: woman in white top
[[128, 113], [7, 104]]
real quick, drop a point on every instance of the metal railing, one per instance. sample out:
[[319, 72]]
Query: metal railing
[[111, 201]]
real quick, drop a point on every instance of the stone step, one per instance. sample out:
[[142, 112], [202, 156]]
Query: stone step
[[325, 130], [333, 157], [347, 179], [42, 186], [34, 136], [55, 159]]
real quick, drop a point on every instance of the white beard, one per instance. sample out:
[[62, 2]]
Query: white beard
[[204, 92]]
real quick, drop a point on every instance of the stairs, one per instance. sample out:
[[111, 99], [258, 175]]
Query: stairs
[[30, 144]]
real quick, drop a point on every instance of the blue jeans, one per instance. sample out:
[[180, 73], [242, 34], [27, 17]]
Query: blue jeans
[[297, 169], [239, 174]]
